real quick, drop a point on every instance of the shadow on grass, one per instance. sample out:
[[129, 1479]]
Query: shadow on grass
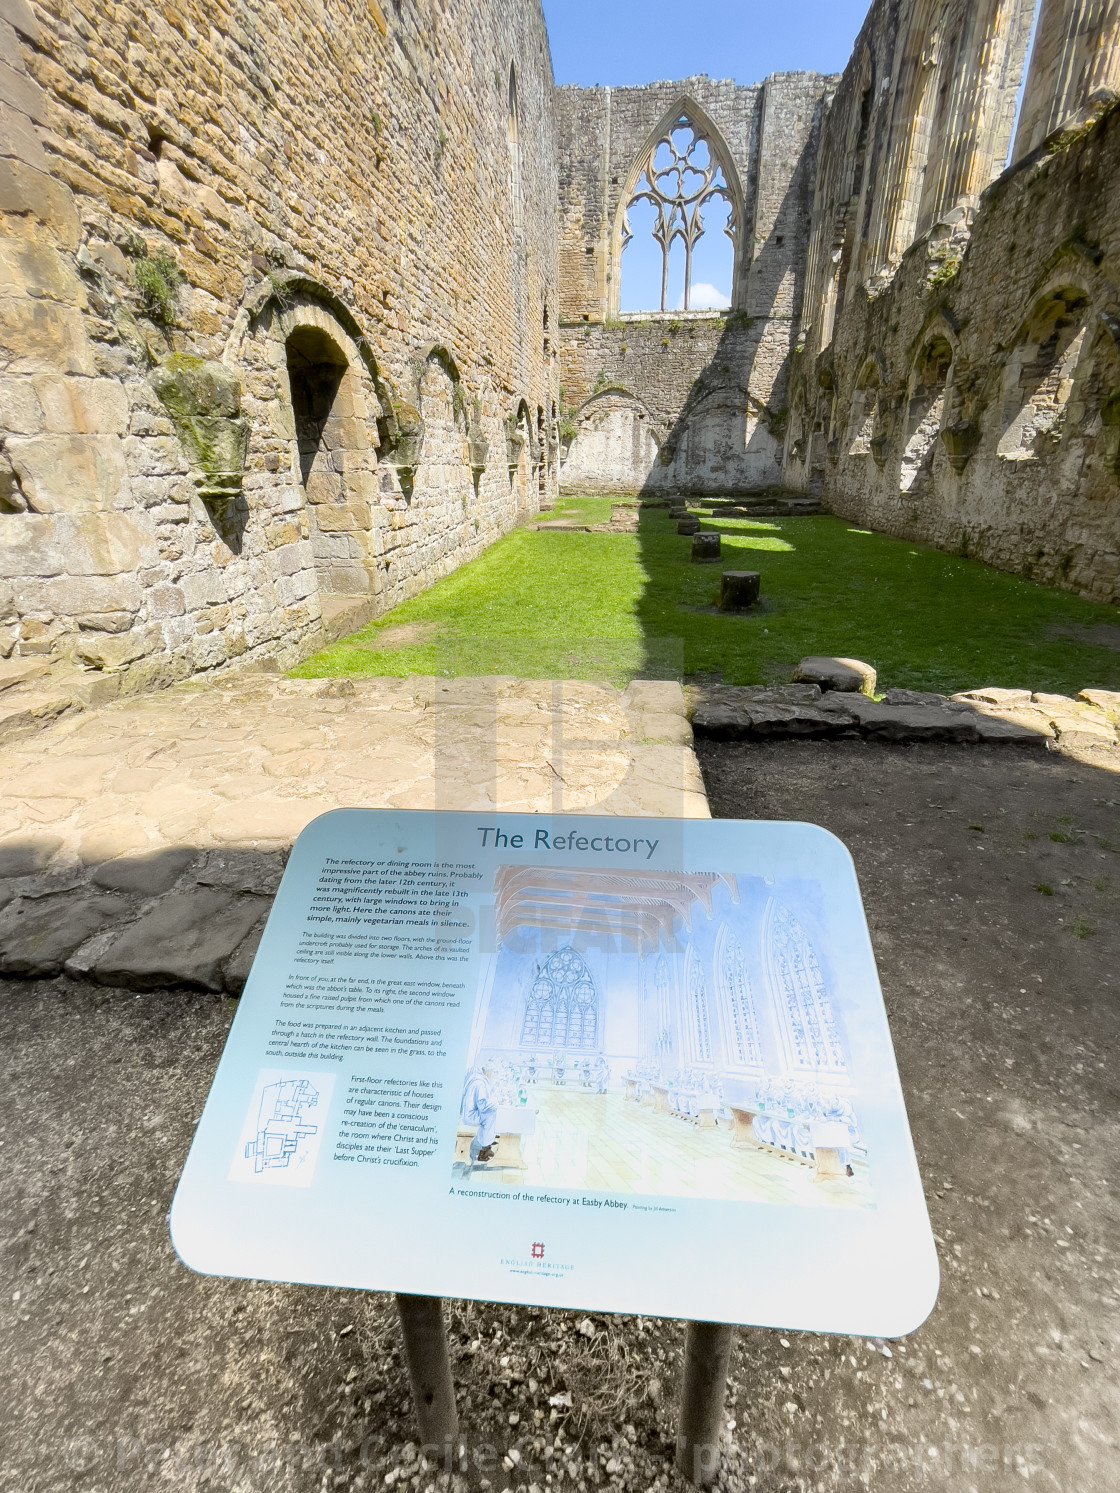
[[923, 618]]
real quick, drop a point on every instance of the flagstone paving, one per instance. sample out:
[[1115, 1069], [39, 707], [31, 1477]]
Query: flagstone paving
[[140, 843]]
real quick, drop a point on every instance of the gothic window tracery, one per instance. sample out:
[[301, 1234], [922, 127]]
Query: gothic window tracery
[[811, 1038], [698, 1011], [682, 186], [562, 1009], [740, 1019]]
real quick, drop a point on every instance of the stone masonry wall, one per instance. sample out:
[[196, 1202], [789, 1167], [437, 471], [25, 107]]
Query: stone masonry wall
[[276, 289], [958, 378], [692, 400]]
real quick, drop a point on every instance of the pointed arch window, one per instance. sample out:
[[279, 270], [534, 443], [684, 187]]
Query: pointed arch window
[[681, 191], [513, 132], [698, 1011], [563, 1008], [737, 1004], [811, 1039]]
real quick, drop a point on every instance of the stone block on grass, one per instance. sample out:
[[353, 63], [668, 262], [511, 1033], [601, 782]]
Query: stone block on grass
[[848, 675], [688, 525], [738, 590], [705, 549]]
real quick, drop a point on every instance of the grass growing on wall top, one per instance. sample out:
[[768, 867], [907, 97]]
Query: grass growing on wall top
[[549, 604]]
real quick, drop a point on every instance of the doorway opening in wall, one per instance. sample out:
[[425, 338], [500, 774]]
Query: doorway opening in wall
[[316, 368], [678, 229]]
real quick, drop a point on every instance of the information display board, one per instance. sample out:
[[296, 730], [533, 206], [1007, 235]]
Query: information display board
[[631, 1065]]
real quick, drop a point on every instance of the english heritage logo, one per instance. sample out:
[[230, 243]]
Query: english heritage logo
[[534, 1263]]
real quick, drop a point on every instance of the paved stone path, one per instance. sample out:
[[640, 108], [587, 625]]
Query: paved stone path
[[140, 843]]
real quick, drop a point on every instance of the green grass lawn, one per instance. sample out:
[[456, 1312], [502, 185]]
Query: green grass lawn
[[570, 605]]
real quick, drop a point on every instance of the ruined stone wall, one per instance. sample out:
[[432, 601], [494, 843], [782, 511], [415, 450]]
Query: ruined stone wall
[[682, 401], [958, 380], [275, 326]]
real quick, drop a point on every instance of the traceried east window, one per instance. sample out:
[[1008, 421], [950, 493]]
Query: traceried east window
[[678, 230], [563, 1008]]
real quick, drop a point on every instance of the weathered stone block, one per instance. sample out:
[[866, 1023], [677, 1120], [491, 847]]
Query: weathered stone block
[[82, 406], [29, 546], [109, 651], [738, 590], [40, 335], [1107, 700], [688, 525], [20, 411], [103, 543], [657, 696], [185, 939], [752, 721], [21, 671], [705, 549], [38, 935], [902, 722], [18, 13], [844, 674], [26, 855], [994, 695], [92, 594], [18, 139], [68, 473], [147, 875]]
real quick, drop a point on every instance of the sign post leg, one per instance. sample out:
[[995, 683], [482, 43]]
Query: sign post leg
[[429, 1369], [707, 1350]]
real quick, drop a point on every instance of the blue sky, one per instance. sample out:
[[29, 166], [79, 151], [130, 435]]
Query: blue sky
[[620, 42]]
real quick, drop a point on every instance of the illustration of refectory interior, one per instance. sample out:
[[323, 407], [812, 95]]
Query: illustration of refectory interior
[[670, 1034]]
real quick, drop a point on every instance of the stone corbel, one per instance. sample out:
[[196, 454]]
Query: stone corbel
[[204, 402], [479, 448], [879, 446], [960, 441], [402, 443], [515, 444]]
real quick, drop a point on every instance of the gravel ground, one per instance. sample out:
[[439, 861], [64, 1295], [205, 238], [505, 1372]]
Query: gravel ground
[[991, 882]]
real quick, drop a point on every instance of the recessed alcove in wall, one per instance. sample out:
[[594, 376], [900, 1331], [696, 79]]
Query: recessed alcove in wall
[[1039, 376], [925, 410], [316, 369], [320, 381]]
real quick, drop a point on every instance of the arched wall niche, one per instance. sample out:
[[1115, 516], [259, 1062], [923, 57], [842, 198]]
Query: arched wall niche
[[925, 409], [679, 218], [1040, 372], [314, 411], [615, 446], [864, 414]]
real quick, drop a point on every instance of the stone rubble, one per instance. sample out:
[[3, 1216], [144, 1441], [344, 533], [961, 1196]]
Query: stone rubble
[[987, 716], [141, 844]]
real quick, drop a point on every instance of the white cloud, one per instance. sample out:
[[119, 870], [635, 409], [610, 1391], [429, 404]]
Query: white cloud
[[707, 298]]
